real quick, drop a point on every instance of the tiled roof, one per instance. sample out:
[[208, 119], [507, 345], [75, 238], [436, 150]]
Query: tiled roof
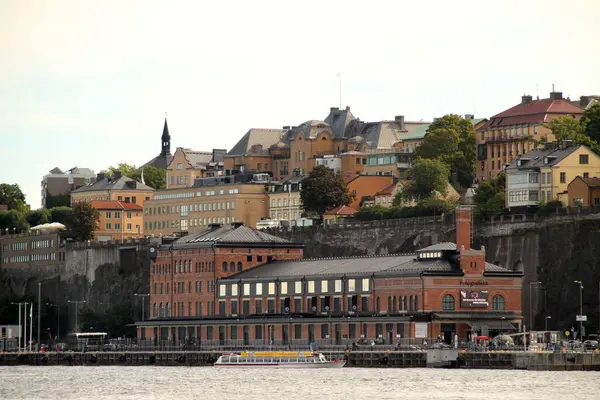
[[196, 159], [418, 132], [264, 137], [591, 182], [442, 246], [123, 183], [160, 161], [341, 210], [535, 158], [338, 120], [385, 265], [231, 234], [115, 205], [535, 111]]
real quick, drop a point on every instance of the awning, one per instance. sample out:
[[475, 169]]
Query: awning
[[492, 324]]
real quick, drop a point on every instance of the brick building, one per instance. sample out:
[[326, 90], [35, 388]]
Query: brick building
[[40, 249], [443, 290]]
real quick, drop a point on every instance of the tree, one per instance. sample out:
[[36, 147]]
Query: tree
[[568, 128], [84, 222], [62, 215], [38, 217], [13, 220], [489, 198], [59, 200], [428, 177], [324, 189], [451, 139], [591, 122], [128, 170], [11, 195], [154, 177]]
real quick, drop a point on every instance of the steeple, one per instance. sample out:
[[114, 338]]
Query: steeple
[[166, 140]]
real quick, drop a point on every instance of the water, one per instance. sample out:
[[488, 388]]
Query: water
[[209, 383]]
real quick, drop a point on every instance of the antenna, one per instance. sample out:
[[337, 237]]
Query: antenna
[[553, 87]]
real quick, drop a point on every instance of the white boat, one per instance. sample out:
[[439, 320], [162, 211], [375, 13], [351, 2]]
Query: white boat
[[279, 359]]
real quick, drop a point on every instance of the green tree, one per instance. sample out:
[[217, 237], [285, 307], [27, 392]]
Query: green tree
[[129, 170], [428, 176], [154, 177], [324, 189], [11, 195], [568, 128], [591, 122], [62, 215], [85, 221], [38, 217], [59, 200], [14, 220], [489, 198], [451, 139]]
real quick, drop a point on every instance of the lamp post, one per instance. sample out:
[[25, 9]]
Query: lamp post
[[531, 319], [143, 302], [547, 318], [76, 302], [20, 328], [57, 319], [580, 309]]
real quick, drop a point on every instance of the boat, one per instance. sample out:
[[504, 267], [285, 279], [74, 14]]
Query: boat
[[279, 359]]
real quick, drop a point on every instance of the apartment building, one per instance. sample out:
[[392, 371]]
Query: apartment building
[[188, 165], [224, 199], [118, 220], [115, 188], [57, 182], [39, 249], [584, 192], [284, 199]]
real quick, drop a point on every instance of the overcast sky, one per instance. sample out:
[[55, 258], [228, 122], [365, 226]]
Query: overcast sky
[[87, 83]]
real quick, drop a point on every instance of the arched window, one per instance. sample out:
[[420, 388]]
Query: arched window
[[232, 267], [224, 266], [394, 304], [189, 265], [378, 304], [448, 303], [184, 266], [498, 303], [156, 288], [410, 304], [416, 303], [180, 267], [161, 310], [389, 309], [404, 305], [239, 266], [168, 310], [155, 310]]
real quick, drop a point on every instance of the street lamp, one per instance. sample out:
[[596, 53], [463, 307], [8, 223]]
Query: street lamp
[[76, 302], [547, 318], [20, 327], [57, 319], [531, 319], [580, 309], [143, 302]]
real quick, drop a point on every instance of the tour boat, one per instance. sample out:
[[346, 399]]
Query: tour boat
[[280, 359]]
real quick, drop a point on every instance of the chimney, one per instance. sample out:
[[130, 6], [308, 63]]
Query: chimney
[[348, 108], [400, 121], [526, 99], [333, 109], [100, 176], [556, 95], [463, 228], [118, 174], [469, 116]]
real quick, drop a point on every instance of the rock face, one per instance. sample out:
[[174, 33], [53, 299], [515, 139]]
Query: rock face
[[555, 251]]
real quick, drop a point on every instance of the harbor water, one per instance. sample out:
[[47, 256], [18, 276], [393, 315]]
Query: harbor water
[[120, 382]]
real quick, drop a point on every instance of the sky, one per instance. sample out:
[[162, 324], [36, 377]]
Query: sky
[[87, 83]]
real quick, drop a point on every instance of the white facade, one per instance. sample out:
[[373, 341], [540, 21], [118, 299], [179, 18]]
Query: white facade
[[333, 162], [522, 188]]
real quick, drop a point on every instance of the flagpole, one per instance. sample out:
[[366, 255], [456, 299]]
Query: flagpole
[[340, 90], [25, 330], [30, 326]]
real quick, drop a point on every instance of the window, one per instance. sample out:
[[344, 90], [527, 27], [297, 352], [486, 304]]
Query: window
[[246, 289], [338, 286], [234, 289], [222, 290], [534, 195], [498, 303], [283, 288], [586, 174], [298, 287], [239, 265], [584, 159], [258, 307], [311, 286], [271, 288], [351, 285], [324, 287], [259, 289], [563, 177], [365, 285], [448, 303], [533, 178]]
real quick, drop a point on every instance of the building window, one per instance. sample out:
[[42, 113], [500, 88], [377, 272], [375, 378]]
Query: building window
[[563, 177], [338, 286], [311, 286], [498, 303], [239, 265], [584, 159], [222, 290], [234, 289], [533, 178], [298, 287], [259, 289], [271, 288], [324, 288], [351, 285], [246, 289], [534, 195], [365, 285], [586, 174], [448, 303], [283, 288]]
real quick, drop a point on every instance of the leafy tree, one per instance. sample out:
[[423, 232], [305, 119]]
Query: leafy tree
[[38, 217], [126, 169], [568, 128], [428, 177], [591, 122], [489, 198], [324, 189], [154, 177], [59, 200], [451, 139], [85, 221], [11, 195], [62, 215], [13, 220]]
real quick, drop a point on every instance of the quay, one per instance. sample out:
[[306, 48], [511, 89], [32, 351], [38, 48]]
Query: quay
[[535, 361]]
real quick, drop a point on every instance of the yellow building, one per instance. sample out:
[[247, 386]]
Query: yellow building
[[188, 165], [544, 174], [118, 220], [116, 188], [509, 134], [284, 200], [223, 199]]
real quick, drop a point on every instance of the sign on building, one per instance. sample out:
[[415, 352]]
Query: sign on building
[[474, 298], [421, 330]]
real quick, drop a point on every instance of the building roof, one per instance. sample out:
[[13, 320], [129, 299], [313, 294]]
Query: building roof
[[234, 235], [200, 159], [341, 210], [75, 171], [263, 137], [160, 161], [535, 158], [535, 111], [442, 246], [338, 120], [384, 265], [107, 183], [384, 134], [591, 182], [418, 132], [115, 205]]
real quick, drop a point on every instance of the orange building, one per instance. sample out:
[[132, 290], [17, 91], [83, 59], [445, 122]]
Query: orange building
[[334, 215], [115, 188], [364, 186], [446, 291], [187, 165], [513, 132], [118, 220], [584, 192]]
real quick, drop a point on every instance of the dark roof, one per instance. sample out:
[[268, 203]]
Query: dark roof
[[341, 210], [115, 205], [591, 182], [338, 120], [535, 158], [231, 235], [442, 246], [535, 111], [263, 137], [385, 265], [160, 161], [122, 183]]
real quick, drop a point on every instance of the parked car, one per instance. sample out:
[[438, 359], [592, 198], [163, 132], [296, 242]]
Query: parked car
[[591, 345]]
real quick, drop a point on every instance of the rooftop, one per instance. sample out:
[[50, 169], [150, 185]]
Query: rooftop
[[534, 111], [256, 136], [115, 205], [591, 182], [108, 183], [341, 210], [548, 156]]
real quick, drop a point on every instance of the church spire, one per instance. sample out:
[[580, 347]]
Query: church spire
[[166, 140]]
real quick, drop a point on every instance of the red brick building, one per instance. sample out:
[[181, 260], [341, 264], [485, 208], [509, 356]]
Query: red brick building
[[446, 290]]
